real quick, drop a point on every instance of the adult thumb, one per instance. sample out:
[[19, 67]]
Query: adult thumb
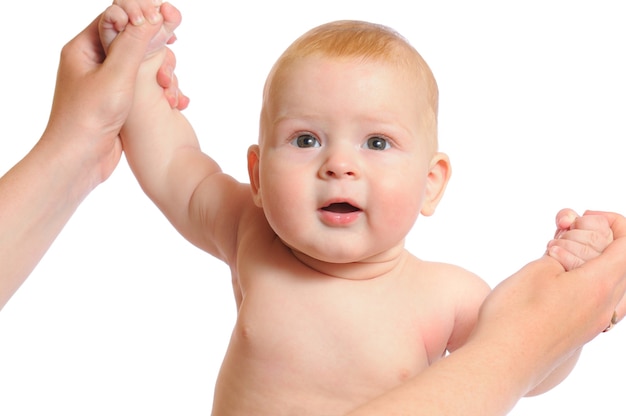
[[128, 49]]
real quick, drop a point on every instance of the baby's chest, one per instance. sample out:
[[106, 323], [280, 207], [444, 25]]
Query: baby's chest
[[384, 338]]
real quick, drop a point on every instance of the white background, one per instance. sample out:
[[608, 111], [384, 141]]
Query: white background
[[124, 317]]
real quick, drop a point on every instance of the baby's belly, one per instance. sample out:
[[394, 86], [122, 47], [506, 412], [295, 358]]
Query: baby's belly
[[235, 396], [301, 374]]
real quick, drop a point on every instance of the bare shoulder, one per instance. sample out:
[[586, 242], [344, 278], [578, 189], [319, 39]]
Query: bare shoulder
[[452, 278], [453, 296], [464, 293]]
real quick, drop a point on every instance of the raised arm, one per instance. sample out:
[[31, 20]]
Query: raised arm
[[164, 154]]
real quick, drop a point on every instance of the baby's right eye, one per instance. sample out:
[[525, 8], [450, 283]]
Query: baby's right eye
[[306, 141]]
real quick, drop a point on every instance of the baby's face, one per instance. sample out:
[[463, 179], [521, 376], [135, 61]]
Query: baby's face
[[344, 158]]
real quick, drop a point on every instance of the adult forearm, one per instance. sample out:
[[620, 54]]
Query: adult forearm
[[37, 197], [79, 149], [472, 381], [557, 376]]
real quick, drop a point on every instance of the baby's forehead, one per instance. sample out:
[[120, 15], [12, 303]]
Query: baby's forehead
[[415, 79]]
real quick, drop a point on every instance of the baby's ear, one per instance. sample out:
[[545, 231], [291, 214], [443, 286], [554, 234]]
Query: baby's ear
[[436, 182], [253, 173]]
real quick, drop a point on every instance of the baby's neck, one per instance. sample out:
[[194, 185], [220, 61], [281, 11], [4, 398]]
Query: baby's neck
[[366, 269]]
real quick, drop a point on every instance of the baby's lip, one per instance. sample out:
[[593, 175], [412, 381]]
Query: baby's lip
[[340, 212]]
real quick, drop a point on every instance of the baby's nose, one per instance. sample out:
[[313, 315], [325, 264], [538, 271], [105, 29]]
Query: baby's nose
[[340, 165]]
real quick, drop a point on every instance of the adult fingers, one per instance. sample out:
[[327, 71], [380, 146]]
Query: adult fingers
[[570, 254]]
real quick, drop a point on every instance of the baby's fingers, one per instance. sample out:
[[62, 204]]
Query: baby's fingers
[[113, 21], [140, 10], [171, 20], [593, 230], [571, 254], [114, 17]]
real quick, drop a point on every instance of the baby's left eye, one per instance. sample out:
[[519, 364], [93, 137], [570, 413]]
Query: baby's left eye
[[377, 143]]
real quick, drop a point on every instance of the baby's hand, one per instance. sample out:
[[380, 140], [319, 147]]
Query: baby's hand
[[136, 12], [579, 239]]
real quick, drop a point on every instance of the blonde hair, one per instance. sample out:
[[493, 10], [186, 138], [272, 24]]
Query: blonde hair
[[357, 39]]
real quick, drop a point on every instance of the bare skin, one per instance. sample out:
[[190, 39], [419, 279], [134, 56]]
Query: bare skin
[[323, 326], [311, 337], [500, 360], [332, 321], [79, 149]]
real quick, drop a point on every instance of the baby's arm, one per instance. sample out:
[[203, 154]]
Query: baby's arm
[[577, 240], [162, 149]]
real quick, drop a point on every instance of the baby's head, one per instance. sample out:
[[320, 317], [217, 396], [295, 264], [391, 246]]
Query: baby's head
[[347, 156], [365, 41]]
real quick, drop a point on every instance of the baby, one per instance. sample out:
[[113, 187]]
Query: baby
[[332, 309]]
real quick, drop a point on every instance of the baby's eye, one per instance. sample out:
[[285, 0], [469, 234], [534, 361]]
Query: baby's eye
[[306, 141], [377, 143]]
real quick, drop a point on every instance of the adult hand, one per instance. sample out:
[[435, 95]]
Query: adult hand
[[94, 94], [117, 17], [78, 150], [580, 302], [541, 315]]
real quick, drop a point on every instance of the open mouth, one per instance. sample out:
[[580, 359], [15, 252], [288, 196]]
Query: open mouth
[[341, 208]]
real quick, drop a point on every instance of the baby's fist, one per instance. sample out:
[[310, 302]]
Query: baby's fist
[[579, 239]]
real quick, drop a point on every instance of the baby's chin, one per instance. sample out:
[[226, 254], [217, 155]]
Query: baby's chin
[[351, 267], [307, 255]]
